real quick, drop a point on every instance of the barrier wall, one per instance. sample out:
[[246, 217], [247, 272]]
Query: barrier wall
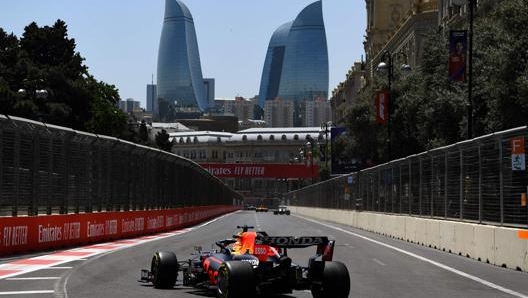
[[501, 246], [39, 233]]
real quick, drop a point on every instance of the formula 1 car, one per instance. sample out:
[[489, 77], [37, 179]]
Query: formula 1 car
[[254, 263], [281, 210]]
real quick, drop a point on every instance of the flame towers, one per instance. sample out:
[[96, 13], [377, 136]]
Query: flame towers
[[180, 84], [296, 64]]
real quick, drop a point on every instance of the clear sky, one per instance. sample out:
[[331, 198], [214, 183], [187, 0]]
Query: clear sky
[[119, 38]]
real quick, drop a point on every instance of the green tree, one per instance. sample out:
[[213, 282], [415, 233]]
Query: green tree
[[501, 68], [143, 132], [9, 52], [45, 59], [162, 141], [106, 118]]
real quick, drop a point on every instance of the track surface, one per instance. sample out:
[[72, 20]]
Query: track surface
[[379, 266]]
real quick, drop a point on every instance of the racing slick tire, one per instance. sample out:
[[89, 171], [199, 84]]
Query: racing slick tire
[[164, 269], [236, 279], [335, 282]]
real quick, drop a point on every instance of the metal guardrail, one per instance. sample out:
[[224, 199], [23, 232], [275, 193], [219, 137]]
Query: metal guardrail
[[46, 169], [474, 181]]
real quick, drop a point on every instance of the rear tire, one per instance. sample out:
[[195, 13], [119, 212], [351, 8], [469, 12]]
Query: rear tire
[[164, 269], [334, 283], [236, 279]]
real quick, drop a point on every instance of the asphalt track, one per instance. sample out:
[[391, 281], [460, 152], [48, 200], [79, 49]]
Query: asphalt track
[[379, 266]]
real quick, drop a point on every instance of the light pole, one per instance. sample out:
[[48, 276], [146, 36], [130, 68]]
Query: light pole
[[34, 94], [388, 67], [471, 7], [325, 128], [470, 71], [309, 153]]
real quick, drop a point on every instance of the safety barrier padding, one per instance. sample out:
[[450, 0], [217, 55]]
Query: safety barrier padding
[[39, 233]]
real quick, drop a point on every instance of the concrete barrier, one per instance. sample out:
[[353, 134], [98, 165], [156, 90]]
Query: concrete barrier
[[501, 246]]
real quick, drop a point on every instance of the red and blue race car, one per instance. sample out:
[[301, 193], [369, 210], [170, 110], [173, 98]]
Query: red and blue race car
[[251, 263]]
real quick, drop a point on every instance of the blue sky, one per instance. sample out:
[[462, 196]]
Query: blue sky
[[119, 38]]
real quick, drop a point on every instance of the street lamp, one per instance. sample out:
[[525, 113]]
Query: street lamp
[[309, 154], [388, 68], [471, 4], [470, 71], [325, 128], [35, 94]]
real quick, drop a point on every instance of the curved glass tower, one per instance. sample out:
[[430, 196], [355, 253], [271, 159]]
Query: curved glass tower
[[296, 65], [180, 83]]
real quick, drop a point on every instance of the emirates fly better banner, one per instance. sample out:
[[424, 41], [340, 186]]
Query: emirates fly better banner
[[301, 170]]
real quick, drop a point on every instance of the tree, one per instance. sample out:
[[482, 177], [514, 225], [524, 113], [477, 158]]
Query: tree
[[501, 68], [143, 133], [162, 141], [106, 118], [45, 59]]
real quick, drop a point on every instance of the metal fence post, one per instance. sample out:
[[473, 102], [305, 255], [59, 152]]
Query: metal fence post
[[501, 181], [461, 177], [480, 180]]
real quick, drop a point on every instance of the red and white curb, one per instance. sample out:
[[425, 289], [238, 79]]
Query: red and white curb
[[22, 266]]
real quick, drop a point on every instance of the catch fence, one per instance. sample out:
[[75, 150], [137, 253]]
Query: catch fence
[[46, 169], [481, 180]]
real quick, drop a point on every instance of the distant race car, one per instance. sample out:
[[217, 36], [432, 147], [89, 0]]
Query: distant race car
[[261, 209], [281, 210], [254, 263]]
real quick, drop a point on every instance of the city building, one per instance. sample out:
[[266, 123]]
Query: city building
[[262, 163], [209, 84], [296, 64], [278, 113], [180, 84], [398, 28], [345, 95], [152, 102], [129, 105]]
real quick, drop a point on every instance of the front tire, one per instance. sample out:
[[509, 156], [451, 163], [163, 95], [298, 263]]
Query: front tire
[[164, 269], [236, 279], [334, 283]]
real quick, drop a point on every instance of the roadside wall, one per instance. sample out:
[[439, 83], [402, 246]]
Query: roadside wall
[[24, 234], [501, 246]]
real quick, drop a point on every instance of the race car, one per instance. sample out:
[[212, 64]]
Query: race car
[[261, 209], [281, 210], [254, 263]]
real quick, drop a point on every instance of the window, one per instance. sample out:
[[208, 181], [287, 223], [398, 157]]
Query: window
[[259, 138], [283, 137]]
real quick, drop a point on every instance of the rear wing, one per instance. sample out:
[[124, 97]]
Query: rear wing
[[291, 242], [325, 247]]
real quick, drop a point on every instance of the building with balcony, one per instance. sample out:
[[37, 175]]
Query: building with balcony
[[345, 95], [402, 33], [262, 163]]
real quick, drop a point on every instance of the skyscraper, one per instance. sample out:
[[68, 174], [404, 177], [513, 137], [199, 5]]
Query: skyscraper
[[180, 84], [296, 64], [152, 103]]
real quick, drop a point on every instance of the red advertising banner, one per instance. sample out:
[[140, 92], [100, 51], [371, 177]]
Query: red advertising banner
[[457, 55], [223, 170], [38, 233], [382, 106]]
